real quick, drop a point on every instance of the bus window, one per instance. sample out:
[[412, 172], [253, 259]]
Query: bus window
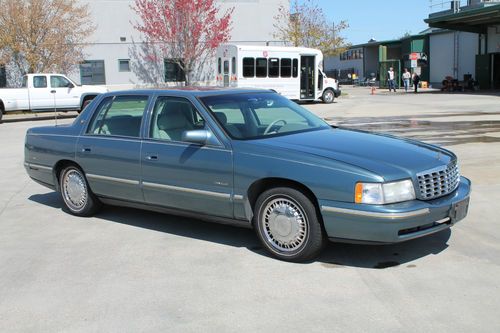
[[233, 66], [248, 67], [274, 67], [261, 67], [295, 69], [286, 67], [219, 67], [226, 67]]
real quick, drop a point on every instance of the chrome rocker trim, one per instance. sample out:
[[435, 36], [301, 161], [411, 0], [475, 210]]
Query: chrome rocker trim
[[391, 216]]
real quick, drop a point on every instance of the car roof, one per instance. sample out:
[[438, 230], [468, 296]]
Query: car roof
[[189, 91]]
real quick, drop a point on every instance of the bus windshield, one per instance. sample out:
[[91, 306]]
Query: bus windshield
[[259, 115]]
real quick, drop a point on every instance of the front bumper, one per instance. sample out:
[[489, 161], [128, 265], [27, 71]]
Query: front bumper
[[396, 222]]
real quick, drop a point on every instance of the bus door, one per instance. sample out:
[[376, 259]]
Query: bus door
[[226, 73], [307, 73]]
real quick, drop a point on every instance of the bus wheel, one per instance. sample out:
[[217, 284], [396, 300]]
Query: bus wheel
[[328, 96]]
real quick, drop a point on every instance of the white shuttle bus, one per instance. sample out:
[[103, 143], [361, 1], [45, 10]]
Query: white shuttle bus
[[294, 72]]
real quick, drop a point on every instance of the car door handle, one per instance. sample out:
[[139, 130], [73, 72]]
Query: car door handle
[[86, 150], [152, 157]]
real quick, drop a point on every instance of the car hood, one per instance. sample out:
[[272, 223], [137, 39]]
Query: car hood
[[389, 157]]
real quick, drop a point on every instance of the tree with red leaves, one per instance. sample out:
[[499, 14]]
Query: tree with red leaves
[[186, 31]]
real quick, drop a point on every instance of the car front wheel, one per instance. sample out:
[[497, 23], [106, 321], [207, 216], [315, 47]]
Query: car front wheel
[[76, 193], [287, 224], [328, 96]]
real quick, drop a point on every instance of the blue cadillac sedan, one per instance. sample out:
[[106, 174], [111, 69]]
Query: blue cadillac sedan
[[252, 158]]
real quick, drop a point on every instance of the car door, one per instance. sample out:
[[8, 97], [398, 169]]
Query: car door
[[110, 149], [182, 175], [39, 93], [66, 95]]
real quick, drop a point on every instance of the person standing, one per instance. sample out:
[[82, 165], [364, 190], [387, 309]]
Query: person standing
[[406, 79], [416, 81], [390, 79]]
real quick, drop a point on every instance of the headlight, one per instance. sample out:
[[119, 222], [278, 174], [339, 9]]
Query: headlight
[[384, 193]]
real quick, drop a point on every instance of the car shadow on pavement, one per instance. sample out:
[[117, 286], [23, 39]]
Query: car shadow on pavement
[[335, 255]]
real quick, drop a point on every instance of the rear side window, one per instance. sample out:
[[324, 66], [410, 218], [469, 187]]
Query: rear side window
[[248, 67], [295, 68], [40, 81], [286, 67], [119, 116], [261, 67], [274, 67]]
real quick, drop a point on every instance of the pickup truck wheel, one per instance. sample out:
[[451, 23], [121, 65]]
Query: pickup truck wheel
[[76, 194], [287, 224], [328, 96]]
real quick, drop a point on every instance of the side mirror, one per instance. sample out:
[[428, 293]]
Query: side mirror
[[201, 137], [71, 85]]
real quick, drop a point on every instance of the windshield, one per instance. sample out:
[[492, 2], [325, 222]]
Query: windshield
[[259, 115]]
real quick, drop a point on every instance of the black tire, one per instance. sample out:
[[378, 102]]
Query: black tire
[[328, 96], [76, 193], [1, 112], [287, 224]]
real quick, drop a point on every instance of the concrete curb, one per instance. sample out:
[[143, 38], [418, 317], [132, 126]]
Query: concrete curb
[[36, 117]]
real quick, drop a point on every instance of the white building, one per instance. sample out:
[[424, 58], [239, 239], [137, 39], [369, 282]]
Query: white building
[[111, 54]]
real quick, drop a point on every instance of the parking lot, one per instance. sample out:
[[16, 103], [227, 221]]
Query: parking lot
[[130, 270]]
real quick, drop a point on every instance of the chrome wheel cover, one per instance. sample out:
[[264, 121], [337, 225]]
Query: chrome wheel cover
[[74, 190], [328, 97], [284, 224]]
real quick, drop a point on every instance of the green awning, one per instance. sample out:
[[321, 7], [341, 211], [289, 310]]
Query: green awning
[[472, 20]]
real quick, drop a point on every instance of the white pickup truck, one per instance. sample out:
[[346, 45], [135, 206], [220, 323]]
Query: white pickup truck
[[46, 92]]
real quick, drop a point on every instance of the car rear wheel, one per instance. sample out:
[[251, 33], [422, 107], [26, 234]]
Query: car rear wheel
[[76, 193], [287, 224]]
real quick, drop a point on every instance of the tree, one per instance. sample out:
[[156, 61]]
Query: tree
[[43, 35], [306, 25], [187, 31]]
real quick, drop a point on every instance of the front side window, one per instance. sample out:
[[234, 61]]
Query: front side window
[[119, 116], [172, 116], [40, 81], [59, 82], [261, 115]]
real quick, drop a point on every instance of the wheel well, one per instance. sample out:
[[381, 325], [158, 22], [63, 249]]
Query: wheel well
[[258, 187], [60, 165], [88, 97], [2, 107]]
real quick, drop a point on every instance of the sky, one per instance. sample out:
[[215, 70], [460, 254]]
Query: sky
[[378, 19]]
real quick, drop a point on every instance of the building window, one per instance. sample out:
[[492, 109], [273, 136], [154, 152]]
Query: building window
[[226, 67], [233, 66], [286, 67], [274, 67], [92, 72], [219, 66], [248, 67], [174, 71], [124, 65], [261, 67], [3, 77]]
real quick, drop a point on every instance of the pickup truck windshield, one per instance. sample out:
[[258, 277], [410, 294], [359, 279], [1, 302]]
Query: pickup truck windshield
[[260, 115]]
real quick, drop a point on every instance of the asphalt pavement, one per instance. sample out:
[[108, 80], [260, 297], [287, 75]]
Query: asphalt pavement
[[128, 270]]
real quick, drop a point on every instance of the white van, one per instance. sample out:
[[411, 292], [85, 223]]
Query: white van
[[294, 72]]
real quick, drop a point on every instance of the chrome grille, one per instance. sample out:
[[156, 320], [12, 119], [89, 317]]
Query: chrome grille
[[438, 182]]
